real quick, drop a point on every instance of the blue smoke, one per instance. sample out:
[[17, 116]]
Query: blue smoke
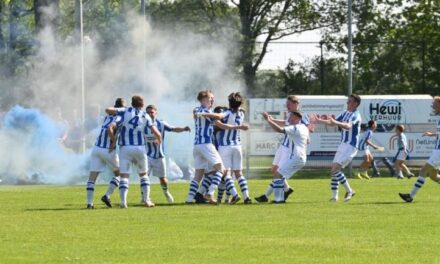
[[32, 153]]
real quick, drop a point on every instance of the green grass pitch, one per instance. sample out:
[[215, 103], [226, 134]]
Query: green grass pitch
[[48, 224]]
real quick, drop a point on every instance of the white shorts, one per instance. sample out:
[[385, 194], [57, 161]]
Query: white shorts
[[231, 157], [434, 159], [100, 157], [135, 155], [157, 167], [281, 154], [205, 156], [290, 166], [345, 154], [401, 155]]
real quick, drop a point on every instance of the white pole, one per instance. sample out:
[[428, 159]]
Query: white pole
[[144, 26], [350, 68], [82, 74]]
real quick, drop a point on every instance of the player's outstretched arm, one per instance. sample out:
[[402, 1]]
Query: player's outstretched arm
[[215, 116], [430, 134], [273, 124], [343, 125], [229, 126], [321, 120], [181, 129], [111, 110], [368, 142]]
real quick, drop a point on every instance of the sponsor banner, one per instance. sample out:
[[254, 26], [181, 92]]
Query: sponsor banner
[[325, 144], [386, 110]]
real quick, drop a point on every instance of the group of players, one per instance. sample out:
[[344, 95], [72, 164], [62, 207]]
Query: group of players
[[218, 154]]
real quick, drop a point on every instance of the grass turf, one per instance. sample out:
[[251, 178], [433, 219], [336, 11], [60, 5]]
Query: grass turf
[[48, 224]]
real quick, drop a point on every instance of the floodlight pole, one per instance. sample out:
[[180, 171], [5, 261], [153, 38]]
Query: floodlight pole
[[350, 68], [83, 115]]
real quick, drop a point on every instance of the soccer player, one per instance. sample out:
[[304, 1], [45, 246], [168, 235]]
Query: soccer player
[[350, 123], [205, 154], [103, 154], [132, 147], [229, 144], [155, 153], [433, 164], [364, 146], [292, 104], [298, 135], [402, 154]]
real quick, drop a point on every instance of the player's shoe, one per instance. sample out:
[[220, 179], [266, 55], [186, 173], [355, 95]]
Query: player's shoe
[[278, 202], [107, 201], [90, 206], [235, 199], [169, 197], [288, 193], [406, 197], [359, 176], [333, 200], [210, 199], [365, 176], [348, 196], [123, 206], [400, 177], [247, 200], [410, 175], [262, 199], [149, 204], [198, 198]]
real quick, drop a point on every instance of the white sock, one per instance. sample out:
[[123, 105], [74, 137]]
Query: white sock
[[229, 184], [114, 183], [278, 189], [90, 190], [334, 185], [417, 185], [123, 190], [269, 190], [193, 186], [286, 185], [216, 179], [342, 180], [145, 188], [243, 186]]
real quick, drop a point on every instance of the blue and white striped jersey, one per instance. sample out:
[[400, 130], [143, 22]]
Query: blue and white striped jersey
[[103, 140], [351, 136], [437, 143], [305, 121], [402, 143], [298, 135], [365, 137], [230, 137], [203, 127], [153, 150], [133, 123]]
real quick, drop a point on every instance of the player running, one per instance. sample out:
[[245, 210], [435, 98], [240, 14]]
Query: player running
[[155, 153], [433, 164], [298, 135], [350, 123], [102, 154], [364, 145], [402, 154], [132, 146]]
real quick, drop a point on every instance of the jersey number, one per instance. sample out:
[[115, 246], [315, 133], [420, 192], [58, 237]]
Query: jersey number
[[134, 122]]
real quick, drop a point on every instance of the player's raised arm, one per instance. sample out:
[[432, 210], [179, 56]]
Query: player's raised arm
[[430, 134], [323, 120], [272, 123]]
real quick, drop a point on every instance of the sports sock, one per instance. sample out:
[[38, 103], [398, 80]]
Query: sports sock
[[90, 190], [229, 184], [221, 191], [206, 182], [269, 190], [216, 179], [193, 186], [334, 185], [145, 188], [417, 185], [342, 180], [278, 186], [123, 190], [114, 183], [243, 186], [286, 185]]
